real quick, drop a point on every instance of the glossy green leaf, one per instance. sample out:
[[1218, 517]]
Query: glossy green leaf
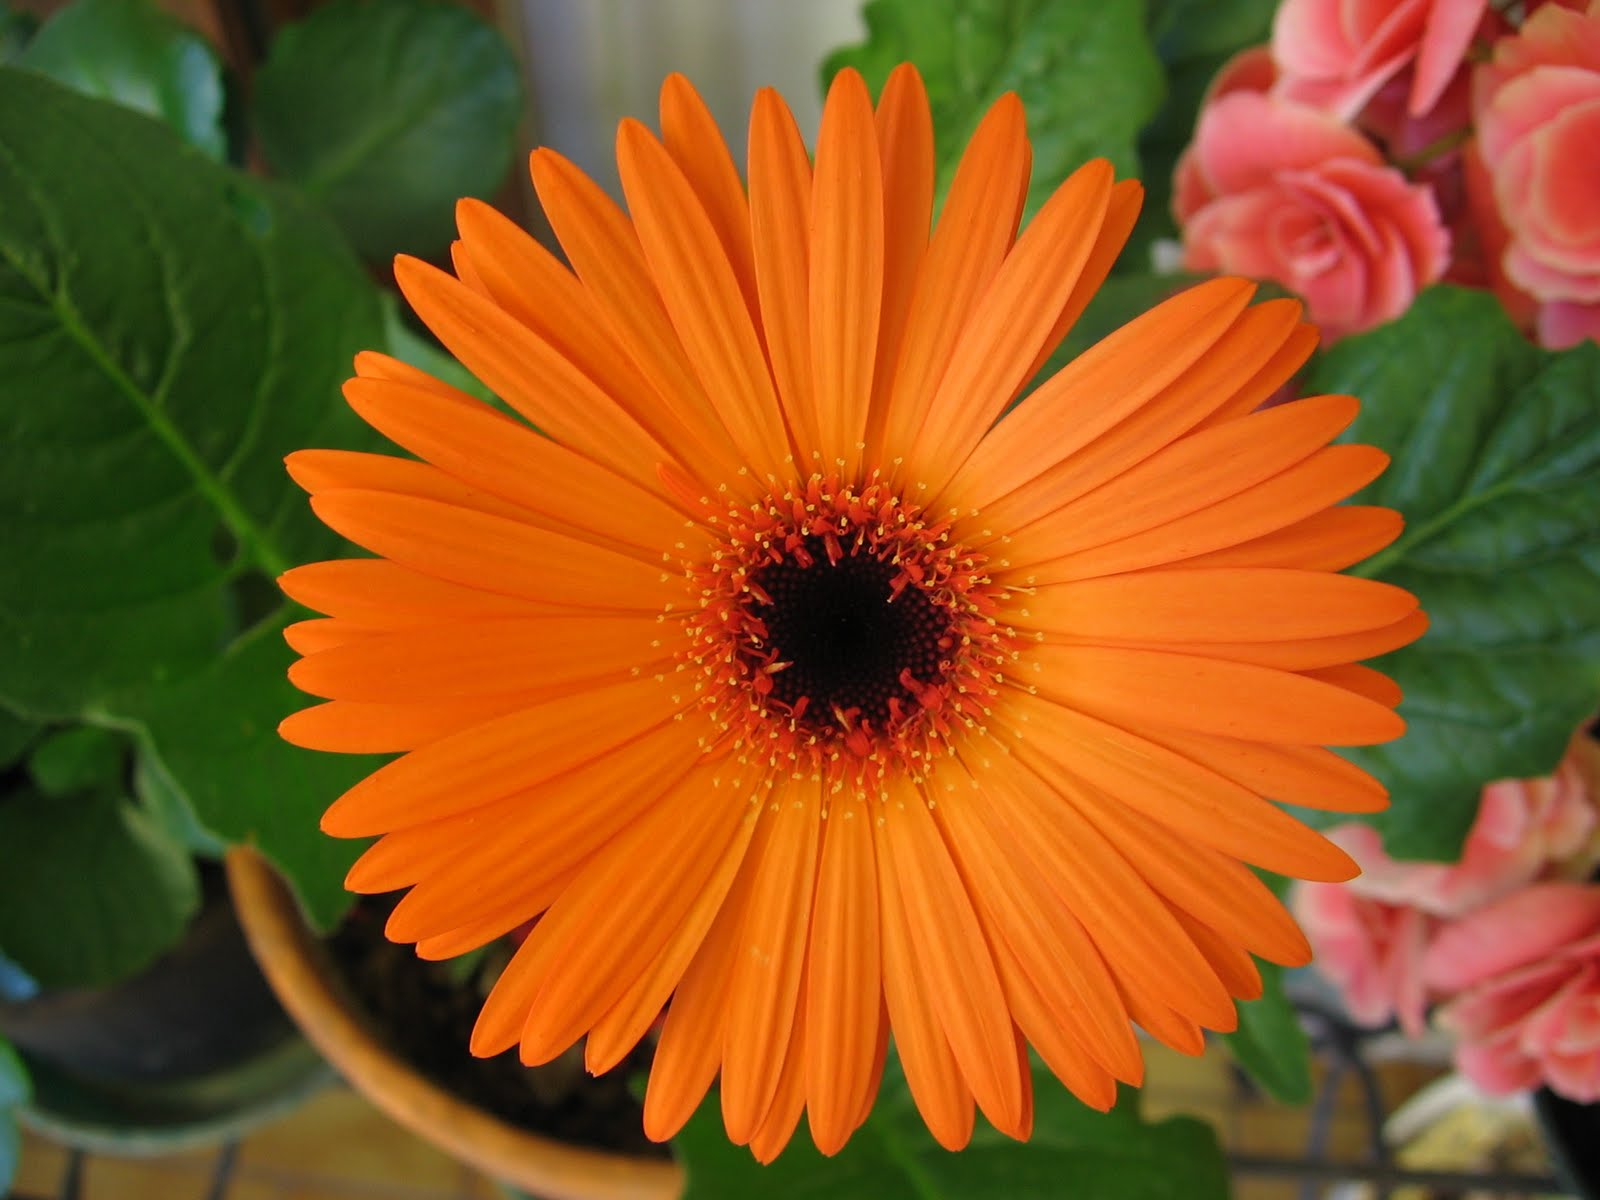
[[1084, 71], [14, 1086], [1497, 471], [386, 114], [16, 735], [1074, 1151], [135, 54], [170, 329], [77, 759], [1270, 1043], [98, 891]]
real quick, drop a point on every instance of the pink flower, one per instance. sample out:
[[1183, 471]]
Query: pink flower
[[1524, 973], [1521, 827], [1537, 107], [1337, 54], [1277, 190], [1371, 951]]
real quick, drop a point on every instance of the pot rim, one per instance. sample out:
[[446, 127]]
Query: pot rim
[[301, 973]]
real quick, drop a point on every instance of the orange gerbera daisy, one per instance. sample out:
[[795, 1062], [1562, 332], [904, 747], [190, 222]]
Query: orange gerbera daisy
[[796, 687]]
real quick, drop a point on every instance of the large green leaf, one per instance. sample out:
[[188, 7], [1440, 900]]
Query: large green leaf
[[1270, 1044], [98, 891], [169, 330], [1497, 471], [133, 53], [1084, 71], [1074, 1151], [386, 114]]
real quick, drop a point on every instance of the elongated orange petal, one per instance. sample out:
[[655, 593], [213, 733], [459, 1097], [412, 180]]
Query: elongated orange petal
[[498, 758], [1309, 776], [905, 142], [1330, 540], [380, 594], [702, 296], [845, 982], [780, 225], [846, 270], [764, 988], [691, 136], [377, 727], [1099, 388], [629, 1019], [932, 1073], [952, 957], [1216, 605], [690, 1050], [1005, 331], [528, 372], [974, 233], [1324, 478]]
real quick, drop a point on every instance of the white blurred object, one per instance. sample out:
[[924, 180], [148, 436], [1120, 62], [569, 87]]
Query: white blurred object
[[592, 62]]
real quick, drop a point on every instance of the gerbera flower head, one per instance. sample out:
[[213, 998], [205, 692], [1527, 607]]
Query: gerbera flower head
[[805, 696]]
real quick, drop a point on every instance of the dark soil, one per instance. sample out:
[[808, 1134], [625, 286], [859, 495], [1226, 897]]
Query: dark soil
[[425, 1012]]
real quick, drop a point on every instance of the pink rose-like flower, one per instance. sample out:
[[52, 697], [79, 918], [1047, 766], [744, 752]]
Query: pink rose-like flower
[[1276, 190], [1522, 826], [1337, 54], [1524, 973], [1371, 951], [1537, 107]]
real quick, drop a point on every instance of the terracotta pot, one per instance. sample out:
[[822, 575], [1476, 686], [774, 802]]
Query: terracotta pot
[[302, 973]]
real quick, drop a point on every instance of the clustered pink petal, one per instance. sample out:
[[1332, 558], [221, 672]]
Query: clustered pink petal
[[1337, 54], [1282, 191], [1506, 941], [1537, 110]]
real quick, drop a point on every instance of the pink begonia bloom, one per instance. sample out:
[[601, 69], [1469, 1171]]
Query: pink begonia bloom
[[1371, 951], [1277, 190], [1537, 108], [1337, 54], [1522, 826], [1524, 974]]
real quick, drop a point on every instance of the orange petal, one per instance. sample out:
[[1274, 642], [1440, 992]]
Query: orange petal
[[478, 549], [765, 986], [780, 223], [1208, 695], [1309, 776], [1324, 478], [531, 374], [952, 958], [1219, 605], [498, 758], [932, 1073], [369, 727], [383, 595], [1099, 388], [691, 136], [703, 297], [905, 143], [1330, 540], [995, 353], [845, 989], [847, 236], [975, 230]]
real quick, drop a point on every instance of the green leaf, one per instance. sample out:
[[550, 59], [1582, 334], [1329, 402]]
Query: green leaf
[[170, 809], [245, 783], [16, 735], [132, 53], [1497, 472], [169, 330], [14, 1086], [16, 31], [1084, 71], [1109, 1156], [78, 759], [1270, 1044], [98, 892], [386, 114]]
